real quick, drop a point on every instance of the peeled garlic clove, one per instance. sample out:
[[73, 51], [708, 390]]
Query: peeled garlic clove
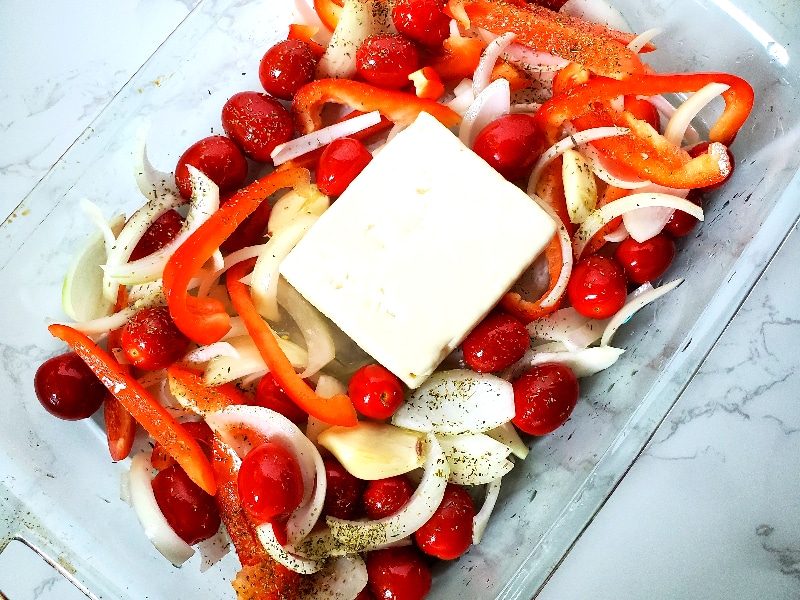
[[374, 450]]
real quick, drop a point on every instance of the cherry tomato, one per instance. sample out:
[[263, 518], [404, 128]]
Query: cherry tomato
[[151, 340], [422, 21], [270, 482], [644, 111], [270, 394], [67, 388], [158, 235], [190, 511], [375, 391], [386, 60], [497, 342], [199, 430], [681, 223], [341, 162], [398, 574], [510, 144], [702, 148], [251, 231], [597, 287], [544, 398], [645, 261], [384, 497], [448, 533], [344, 491], [286, 67], [257, 123], [218, 158]]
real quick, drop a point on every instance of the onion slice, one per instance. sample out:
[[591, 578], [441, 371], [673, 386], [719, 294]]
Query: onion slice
[[583, 362], [491, 53], [560, 287], [481, 519], [493, 102], [679, 122], [475, 459], [362, 536], [630, 308], [343, 578]]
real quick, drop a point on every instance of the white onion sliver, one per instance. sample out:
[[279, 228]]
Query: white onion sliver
[[507, 434], [481, 519], [298, 564], [361, 536], [566, 255], [322, 137], [619, 234], [679, 122], [483, 72], [645, 223], [627, 311], [475, 459], [155, 524], [151, 182], [668, 110], [493, 102], [343, 578], [222, 369], [644, 38], [206, 353], [584, 362]]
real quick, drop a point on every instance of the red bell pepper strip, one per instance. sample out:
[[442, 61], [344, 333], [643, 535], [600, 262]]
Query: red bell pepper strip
[[597, 48], [337, 410], [528, 310], [427, 83], [120, 425], [458, 59], [399, 107], [158, 422], [204, 320], [206, 398], [328, 12], [306, 33]]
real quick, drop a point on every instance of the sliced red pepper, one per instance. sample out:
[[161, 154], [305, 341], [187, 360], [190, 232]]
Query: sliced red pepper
[[527, 310], [398, 107], [517, 78], [120, 425], [158, 422], [337, 410], [206, 398], [458, 59], [427, 83], [306, 33], [204, 320], [600, 49], [328, 12]]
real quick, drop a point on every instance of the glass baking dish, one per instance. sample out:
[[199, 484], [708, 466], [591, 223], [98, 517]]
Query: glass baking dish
[[60, 491]]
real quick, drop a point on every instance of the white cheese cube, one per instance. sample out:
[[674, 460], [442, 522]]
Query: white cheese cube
[[422, 244]]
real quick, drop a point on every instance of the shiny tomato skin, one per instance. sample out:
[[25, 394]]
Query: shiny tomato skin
[[159, 234], [497, 342], [343, 495], [270, 482], [270, 394], [702, 148], [597, 287], [681, 223], [218, 158], [286, 67], [384, 497], [191, 512], [151, 340], [251, 231], [448, 533], [199, 430], [398, 574], [386, 60], [643, 110], [511, 144], [422, 21], [544, 398], [645, 261], [376, 392], [340, 163], [257, 123], [67, 388]]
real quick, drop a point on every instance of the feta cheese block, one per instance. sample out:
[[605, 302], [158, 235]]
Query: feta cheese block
[[418, 249]]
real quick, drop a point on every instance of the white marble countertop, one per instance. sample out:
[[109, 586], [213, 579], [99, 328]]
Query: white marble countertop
[[711, 508]]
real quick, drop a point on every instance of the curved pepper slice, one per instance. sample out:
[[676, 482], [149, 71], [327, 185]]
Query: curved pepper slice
[[205, 398], [337, 410], [458, 59], [527, 310], [599, 49], [400, 107], [204, 320], [158, 422]]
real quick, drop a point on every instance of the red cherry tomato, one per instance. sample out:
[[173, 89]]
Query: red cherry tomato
[[681, 223], [270, 482], [67, 388], [251, 231], [448, 533], [510, 144], [199, 430], [151, 340], [702, 148], [544, 398], [398, 574], [647, 260], [286, 67], [375, 391], [190, 511], [422, 21], [257, 123], [343, 493], [644, 111], [497, 342], [386, 60], [384, 497], [270, 394], [340, 163], [218, 158], [158, 235], [597, 287]]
